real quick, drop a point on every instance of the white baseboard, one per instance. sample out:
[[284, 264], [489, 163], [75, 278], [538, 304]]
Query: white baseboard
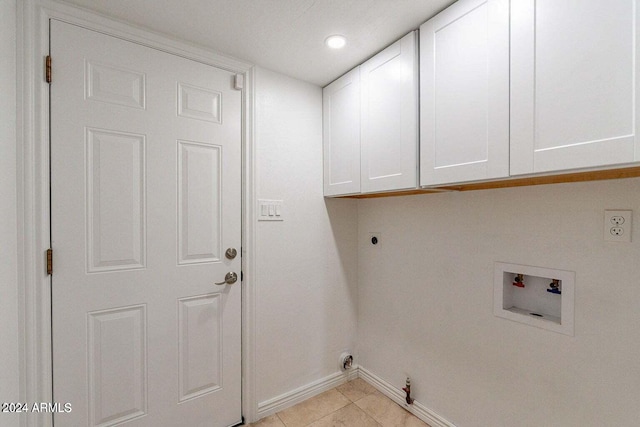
[[398, 396], [286, 400]]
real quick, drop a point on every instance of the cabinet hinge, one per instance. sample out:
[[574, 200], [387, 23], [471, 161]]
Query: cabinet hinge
[[47, 69], [49, 261]]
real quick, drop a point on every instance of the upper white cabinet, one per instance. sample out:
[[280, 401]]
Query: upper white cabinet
[[507, 88], [389, 126], [341, 135], [370, 124], [574, 84], [464, 93]]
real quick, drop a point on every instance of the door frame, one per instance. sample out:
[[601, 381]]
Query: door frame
[[34, 299]]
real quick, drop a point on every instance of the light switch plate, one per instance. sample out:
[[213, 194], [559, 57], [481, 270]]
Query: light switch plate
[[270, 210], [617, 225]]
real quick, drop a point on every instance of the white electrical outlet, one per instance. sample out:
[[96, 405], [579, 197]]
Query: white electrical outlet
[[617, 225]]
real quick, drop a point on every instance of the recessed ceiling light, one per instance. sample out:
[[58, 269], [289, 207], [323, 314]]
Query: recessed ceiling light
[[335, 41]]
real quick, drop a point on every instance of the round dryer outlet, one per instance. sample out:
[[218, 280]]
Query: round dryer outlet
[[346, 361]]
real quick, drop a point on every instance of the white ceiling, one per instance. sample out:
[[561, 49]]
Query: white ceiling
[[283, 35]]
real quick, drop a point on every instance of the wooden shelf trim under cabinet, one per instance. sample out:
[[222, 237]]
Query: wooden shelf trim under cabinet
[[631, 172]]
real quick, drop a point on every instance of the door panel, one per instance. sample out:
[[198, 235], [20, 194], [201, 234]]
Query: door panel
[[199, 197], [117, 339], [115, 200], [200, 356], [146, 197]]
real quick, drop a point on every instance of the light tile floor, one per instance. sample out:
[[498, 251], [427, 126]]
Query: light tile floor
[[353, 404]]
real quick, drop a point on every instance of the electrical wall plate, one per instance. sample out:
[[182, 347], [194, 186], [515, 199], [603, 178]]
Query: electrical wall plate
[[270, 210], [617, 225]]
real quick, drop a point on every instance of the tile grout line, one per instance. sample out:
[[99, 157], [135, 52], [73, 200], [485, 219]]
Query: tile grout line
[[351, 402]]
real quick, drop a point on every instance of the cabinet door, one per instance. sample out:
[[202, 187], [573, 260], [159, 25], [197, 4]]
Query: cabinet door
[[574, 84], [341, 135], [389, 137], [464, 93]]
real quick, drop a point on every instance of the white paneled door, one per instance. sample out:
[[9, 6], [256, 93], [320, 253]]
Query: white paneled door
[[146, 199]]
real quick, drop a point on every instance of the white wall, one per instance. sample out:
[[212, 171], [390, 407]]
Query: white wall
[[426, 309], [9, 366], [306, 266]]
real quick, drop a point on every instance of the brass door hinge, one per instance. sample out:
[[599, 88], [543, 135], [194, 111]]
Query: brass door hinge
[[49, 261], [47, 69]]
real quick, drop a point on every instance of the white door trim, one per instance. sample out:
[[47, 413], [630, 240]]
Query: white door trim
[[33, 191]]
